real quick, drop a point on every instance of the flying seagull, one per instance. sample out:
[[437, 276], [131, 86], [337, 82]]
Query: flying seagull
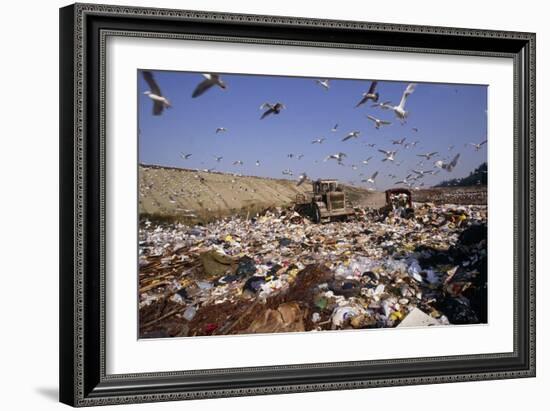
[[333, 129], [372, 178], [287, 172], [318, 140], [238, 163], [218, 158], [352, 134], [221, 130], [428, 156], [477, 146], [209, 81], [369, 95], [378, 123], [338, 157], [185, 156], [366, 161], [323, 83], [271, 109], [448, 166], [302, 178], [159, 101], [257, 163], [422, 173], [414, 129], [399, 142], [384, 105], [371, 145], [390, 155], [399, 110], [404, 181]]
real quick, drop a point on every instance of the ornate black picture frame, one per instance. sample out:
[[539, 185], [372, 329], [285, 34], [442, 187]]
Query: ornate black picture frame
[[83, 31]]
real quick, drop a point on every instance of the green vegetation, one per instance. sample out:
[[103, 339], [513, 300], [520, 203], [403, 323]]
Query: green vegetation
[[476, 177]]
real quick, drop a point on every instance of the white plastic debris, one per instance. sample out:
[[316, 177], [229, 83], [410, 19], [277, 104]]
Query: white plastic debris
[[190, 313], [341, 314], [418, 318]]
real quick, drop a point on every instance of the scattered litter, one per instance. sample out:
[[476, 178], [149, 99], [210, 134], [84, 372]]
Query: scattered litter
[[279, 272], [418, 318]]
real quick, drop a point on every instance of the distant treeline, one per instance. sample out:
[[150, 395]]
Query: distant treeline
[[476, 177]]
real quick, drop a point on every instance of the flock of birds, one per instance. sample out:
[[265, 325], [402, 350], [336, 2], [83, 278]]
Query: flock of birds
[[412, 179]]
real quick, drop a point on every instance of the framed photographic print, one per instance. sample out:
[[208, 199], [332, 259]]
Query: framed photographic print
[[261, 204]]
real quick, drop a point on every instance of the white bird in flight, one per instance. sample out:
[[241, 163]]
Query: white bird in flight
[[369, 95], [334, 129], [318, 140], [218, 158], [271, 109], [390, 155], [404, 181], [287, 172], [428, 156], [352, 134], [302, 178], [366, 161], [159, 101], [422, 173], [477, 146], [372, 178], [384, 105], [257, 163], [185, 156], [238, 163], [338, 157], [323, 83], [221, 130], [377, 122], [448, 166], [399, 142], [399, 110], [209, 81]]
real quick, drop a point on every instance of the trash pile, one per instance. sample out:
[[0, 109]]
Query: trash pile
[[279, 272]]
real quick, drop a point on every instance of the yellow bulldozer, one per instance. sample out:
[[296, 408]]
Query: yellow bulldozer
[[327, 202]]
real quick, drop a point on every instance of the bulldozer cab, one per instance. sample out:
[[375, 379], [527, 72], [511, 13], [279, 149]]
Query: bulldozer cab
[[325, 186], [330, 193]]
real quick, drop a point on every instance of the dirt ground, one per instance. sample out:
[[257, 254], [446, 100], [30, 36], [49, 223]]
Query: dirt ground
[[197, 196]]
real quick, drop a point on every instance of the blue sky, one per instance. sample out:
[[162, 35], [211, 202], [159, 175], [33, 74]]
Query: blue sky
[[444, 114]]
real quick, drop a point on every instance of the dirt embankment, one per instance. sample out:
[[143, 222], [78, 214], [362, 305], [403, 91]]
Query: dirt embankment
[[190, 196], [175, 194]]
